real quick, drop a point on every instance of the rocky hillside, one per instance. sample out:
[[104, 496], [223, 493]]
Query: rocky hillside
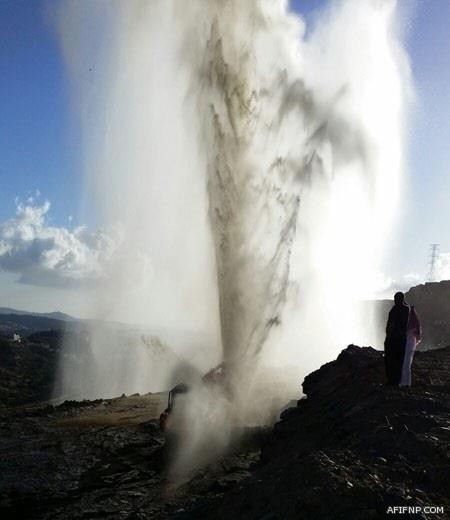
[[433, 303], [349, 450], [353, 447], [29, 368], [27, 371], [25, 324]]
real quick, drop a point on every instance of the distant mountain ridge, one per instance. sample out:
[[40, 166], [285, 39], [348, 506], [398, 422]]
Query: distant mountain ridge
[[56, 315], [26, 324], [431, 299]]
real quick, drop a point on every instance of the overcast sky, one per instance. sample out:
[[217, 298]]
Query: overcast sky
[[40, 164]]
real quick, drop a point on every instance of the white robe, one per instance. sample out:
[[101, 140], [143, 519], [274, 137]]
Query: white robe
[[411, 342]]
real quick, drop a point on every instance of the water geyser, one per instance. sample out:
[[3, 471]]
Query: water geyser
[[252, 168]]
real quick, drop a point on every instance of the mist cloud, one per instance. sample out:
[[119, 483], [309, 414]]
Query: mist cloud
[[46, 255], [444, 266], [403, 283]]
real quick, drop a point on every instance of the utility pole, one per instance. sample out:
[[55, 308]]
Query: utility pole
[[433, 259]]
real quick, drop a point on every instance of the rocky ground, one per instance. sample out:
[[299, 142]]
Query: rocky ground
[[353, 447], [349, 449], [103, 459]]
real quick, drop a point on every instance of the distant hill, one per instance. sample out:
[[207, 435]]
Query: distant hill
[[26, 324], [431, 299], [13, 321], [52, 315]]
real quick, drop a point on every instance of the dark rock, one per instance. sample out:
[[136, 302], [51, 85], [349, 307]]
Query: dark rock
[[433, 303], [348, 450], [354, 447]]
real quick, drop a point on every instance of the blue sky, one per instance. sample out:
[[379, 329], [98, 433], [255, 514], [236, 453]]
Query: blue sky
[[39, 150], [428, 214], [40, 146]]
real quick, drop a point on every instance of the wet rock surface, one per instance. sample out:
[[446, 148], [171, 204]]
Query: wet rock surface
[[350, 449]]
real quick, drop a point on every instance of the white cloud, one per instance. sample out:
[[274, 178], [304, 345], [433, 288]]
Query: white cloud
[[387, 286], [52, 256], [444, 266]]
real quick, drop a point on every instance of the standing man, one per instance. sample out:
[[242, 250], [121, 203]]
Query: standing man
[[395, 342]]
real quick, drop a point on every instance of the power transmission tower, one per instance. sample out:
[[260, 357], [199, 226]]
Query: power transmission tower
[[433, 262]]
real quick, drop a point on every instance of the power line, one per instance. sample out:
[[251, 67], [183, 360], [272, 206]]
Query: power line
[[433, 260]]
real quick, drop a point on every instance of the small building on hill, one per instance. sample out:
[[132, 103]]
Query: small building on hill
[[12, 337]]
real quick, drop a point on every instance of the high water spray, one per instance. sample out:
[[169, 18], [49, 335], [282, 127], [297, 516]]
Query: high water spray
[[254, 168]]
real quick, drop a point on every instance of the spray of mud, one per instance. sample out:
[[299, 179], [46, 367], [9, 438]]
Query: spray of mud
[[256, 168]]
